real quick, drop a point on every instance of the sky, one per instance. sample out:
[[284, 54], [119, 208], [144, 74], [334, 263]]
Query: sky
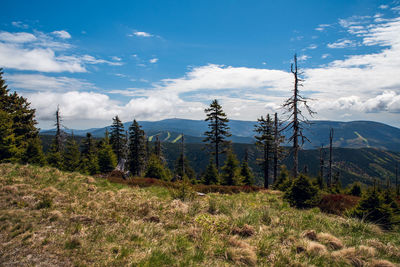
[[153, 60]]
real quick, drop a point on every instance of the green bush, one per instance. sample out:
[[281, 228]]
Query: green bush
[[302, 194], [355, 190], [283, 181], [372, 208]]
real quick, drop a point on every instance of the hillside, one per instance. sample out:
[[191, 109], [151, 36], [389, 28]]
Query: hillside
[[51, 218], [364, 165], [354, 134]]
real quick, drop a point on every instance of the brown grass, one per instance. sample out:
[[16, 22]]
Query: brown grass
[[315, 248], [330, 240], [241, 252], [381, 263]]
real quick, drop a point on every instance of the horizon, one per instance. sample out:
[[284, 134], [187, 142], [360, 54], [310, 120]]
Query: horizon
[[156, 60], [105, 126]]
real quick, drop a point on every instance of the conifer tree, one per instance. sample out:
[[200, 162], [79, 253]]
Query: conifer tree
[[59, 138], [296, 118], [106, 156], [7, 140], [277, 149], [71, 155], [156, 169], [211, 175], [34, 152], [264, 142], [117, 138], [54, 157], [137, 149], [219, 130], [89, 162], [245, 171], [16, 109], [231, 170]]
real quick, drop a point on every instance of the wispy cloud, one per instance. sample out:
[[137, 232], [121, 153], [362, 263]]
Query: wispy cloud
[[140, 34], [342, 43], [153, 60], [40, 52]]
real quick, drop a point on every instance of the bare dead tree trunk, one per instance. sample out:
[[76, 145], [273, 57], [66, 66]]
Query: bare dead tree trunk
[[295, 122], [276, 145], [58, 131], [330, 158]]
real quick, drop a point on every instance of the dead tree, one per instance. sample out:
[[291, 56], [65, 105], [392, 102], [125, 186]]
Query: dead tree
[[296, 119], [330, 158], [59, 138], [183, 155]]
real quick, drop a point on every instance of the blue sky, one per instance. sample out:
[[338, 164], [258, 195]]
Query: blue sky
[[152, 60]]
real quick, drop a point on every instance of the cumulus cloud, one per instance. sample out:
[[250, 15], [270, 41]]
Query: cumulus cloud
[[62, 34]]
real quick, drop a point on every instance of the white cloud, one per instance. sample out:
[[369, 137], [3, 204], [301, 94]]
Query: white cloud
[[342, 43], [39, 82], [325, 56], [322, 27], [40, 52], [116, 58], [303, 57], [153, 60], [140, 34], [312, 46], [20, 24], [383, 6], [19, 37], [62, 34]]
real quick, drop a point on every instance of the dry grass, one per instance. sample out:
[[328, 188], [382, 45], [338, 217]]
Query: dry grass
[[52, 218], [330, 240]]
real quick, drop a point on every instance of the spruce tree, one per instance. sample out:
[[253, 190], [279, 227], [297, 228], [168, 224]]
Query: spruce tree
[[34, 152], [156, 169], [106, 156], [117, 138], [54, 157], [23, 124], [187, 170], [137, 149], [219, 130], [89, 159], [7, 140], [71, 155], [278, 151], [211, 174], [265, 143], [245, 171], [301, 193], [231, 170]]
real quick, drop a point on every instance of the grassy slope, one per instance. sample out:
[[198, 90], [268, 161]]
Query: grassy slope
[[53, 218]]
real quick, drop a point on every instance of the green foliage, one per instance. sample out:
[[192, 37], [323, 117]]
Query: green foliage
[[219, 130], [302, 194], [211, 174], [17, 125], [71, 155], [372, 208], [187, 169], [283, 181], [155, 169], [246, 173], [54, 157], [137, 149], [355, 189], [183, 191], [7, 140], [34, 152], [89, 161], [117, 137], [106, 156], [265, 143], [231, 171]]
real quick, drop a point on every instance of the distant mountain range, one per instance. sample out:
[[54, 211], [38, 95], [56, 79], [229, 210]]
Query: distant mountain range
[[354, 134]]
